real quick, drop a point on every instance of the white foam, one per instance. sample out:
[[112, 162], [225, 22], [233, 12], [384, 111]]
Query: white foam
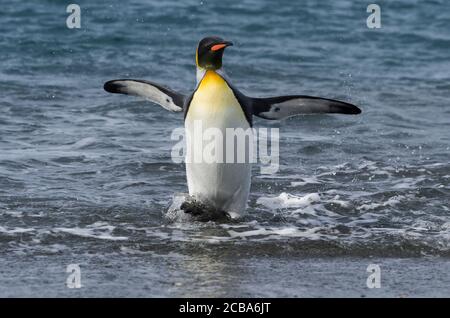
[[391, 202], [336, 200], [306, 180], [286, 200], [98, 230], [16, 230], [15, 214], [408, 183], [85, 142], [278, 232]]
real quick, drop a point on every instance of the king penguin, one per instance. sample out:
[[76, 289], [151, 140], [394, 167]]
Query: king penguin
[[215, 104]]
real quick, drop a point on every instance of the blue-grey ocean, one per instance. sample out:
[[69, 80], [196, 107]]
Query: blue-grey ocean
[[87, 178]]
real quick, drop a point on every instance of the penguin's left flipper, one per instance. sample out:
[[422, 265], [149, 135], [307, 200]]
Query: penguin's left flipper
[[287, 106], [153, 92]]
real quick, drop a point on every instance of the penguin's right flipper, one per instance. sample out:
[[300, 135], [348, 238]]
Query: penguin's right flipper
[[280, 107], [153, 92]]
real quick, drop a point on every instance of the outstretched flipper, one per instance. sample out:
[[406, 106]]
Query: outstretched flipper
[[287, 106], [153, 92]]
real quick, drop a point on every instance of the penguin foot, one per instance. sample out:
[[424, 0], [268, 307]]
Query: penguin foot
[[204, 212]]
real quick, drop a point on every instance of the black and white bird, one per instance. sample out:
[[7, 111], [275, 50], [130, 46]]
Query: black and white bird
[[216, 103]]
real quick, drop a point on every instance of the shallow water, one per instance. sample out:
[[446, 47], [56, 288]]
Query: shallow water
[[86, 177]]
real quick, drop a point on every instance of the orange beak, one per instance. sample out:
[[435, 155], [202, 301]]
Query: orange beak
[[220, 46]]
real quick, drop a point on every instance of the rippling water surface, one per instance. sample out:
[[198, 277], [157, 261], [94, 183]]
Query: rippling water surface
[[86, 177]]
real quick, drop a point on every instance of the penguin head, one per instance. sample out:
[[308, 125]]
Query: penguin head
[[210, 52]]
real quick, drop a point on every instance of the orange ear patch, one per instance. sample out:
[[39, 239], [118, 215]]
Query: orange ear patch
[[218, 47]]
